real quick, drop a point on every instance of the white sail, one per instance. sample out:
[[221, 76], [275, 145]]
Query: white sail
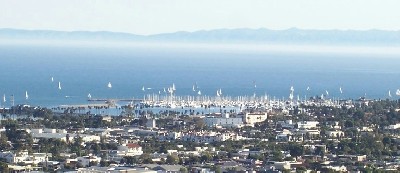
[[327, 93], [292, 89], [390, 95], [291, 96], [199, 92], [59, 85], [218, 93], [398, 92], [143, 88], [4, 98], [322, 96], [109, 85], [340, 89], [89, 96], [308, 88], [193, 88], [173, 87], [52, 79], [26, 95], [165, 90]]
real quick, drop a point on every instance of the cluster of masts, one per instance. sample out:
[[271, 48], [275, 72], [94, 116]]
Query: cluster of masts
[[172, 90]]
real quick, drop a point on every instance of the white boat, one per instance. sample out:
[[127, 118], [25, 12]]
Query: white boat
[[398, 92], [199, 92], [89, 96], [109, 85], [59, 85]]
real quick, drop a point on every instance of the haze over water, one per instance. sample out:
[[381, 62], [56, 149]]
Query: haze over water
[[88, 69]]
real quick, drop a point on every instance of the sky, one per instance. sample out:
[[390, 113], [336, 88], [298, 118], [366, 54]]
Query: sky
[[147, 17]]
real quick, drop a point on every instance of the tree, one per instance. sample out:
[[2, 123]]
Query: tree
[[216, 169], [183, 170], [4, 167], [296, 150], [172, 159]]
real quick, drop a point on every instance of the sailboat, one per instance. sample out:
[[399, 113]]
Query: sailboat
[[340, 89], [327, 93], [52, 79], [199, 92], [193, 89], [4, 98], [398, 92], [89, 96], [173, 87], [218, 94], [291, 96], [59, 85], [390, 95], [109, 85], [308, 88], [143, 88], [292, 89], [26, 95]]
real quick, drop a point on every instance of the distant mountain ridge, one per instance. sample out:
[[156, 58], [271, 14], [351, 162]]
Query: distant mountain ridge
[[242, 35]]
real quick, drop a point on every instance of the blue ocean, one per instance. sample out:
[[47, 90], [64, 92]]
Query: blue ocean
[[88, 69]]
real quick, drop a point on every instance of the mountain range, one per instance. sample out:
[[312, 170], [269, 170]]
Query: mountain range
[[243, 35]]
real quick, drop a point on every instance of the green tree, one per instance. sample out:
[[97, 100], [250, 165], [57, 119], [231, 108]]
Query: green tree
[[172, 159]]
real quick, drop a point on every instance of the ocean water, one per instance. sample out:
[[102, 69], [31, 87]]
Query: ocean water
[[88, 69]]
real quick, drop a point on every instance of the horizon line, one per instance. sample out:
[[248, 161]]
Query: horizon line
[[204, 30]]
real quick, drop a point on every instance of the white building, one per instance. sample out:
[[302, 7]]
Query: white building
[[307, 124], [24, 156], [334, 133], [130, 149], [86, 160], [252, 118], [223, 121]]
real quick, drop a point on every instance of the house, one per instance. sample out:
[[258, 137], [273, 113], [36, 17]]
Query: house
[[334, 133], [24, 156], [88, 160], [130, 149]]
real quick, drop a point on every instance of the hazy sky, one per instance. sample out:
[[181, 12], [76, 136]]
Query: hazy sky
[[159, 16]]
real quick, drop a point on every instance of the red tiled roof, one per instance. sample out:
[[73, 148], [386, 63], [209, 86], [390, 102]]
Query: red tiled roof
[[133, 145]]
